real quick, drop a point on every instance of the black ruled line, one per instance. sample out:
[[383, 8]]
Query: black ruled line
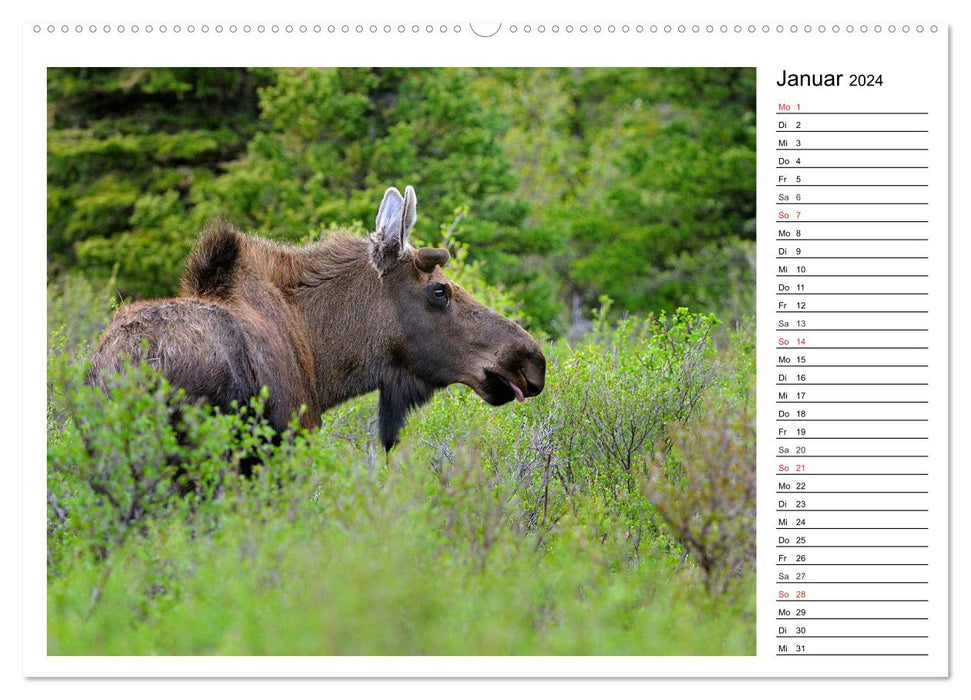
[[840, 240], [850, 221], [852, 167], [850, 131], [853, 311], [851, 294], [852, 330], [851, 204], [800, 113], [850, 420], [802, 148], [853, 185]]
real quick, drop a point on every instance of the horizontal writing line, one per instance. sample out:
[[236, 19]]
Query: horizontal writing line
[[800, 112], [851, 221], [856, 311], [851, 294], [849, 420], [853, 204], [855, 185], [850, 131], [801, 148], [852, 167], [852, 330], [801, 239]]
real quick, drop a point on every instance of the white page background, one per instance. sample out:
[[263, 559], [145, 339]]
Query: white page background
[[603, 12]]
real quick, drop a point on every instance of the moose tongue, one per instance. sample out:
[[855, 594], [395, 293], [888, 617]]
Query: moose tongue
[[517, 391]]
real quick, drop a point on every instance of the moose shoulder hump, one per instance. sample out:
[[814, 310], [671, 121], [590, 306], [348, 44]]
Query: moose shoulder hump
[[213, 264]]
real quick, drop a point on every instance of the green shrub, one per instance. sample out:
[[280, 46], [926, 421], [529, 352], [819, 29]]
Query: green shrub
[[703, 488], [77, 312], [551, 526]]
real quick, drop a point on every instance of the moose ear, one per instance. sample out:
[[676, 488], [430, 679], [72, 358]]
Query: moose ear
[[411, 212], [396, 217]]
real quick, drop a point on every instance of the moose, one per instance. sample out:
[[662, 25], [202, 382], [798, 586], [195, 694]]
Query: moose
[[321, 323]]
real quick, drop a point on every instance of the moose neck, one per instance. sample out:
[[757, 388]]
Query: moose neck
[[339, 297]]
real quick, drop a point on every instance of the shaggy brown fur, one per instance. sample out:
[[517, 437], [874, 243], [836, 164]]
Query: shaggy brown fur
[[322, 323]]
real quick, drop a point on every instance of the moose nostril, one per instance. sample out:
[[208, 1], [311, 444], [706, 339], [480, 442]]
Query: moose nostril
[[535, 377], [528, 366]]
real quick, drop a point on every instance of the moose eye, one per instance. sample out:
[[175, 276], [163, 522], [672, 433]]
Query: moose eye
[[438, 294]]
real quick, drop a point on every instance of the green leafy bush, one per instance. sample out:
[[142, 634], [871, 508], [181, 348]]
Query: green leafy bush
[[518, 530], [610, 514], [703, 488], [119, 458]]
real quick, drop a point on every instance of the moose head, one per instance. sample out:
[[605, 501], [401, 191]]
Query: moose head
[[322, 323], [443, 335]]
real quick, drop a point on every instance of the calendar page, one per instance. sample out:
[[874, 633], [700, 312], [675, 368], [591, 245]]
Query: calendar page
[[447, 348]]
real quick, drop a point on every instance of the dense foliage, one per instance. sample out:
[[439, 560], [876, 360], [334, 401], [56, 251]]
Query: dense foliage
[[584, 521], [568, 183], [612, 514]]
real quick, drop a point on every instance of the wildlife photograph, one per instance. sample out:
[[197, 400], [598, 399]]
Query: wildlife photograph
[[401, 361]]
